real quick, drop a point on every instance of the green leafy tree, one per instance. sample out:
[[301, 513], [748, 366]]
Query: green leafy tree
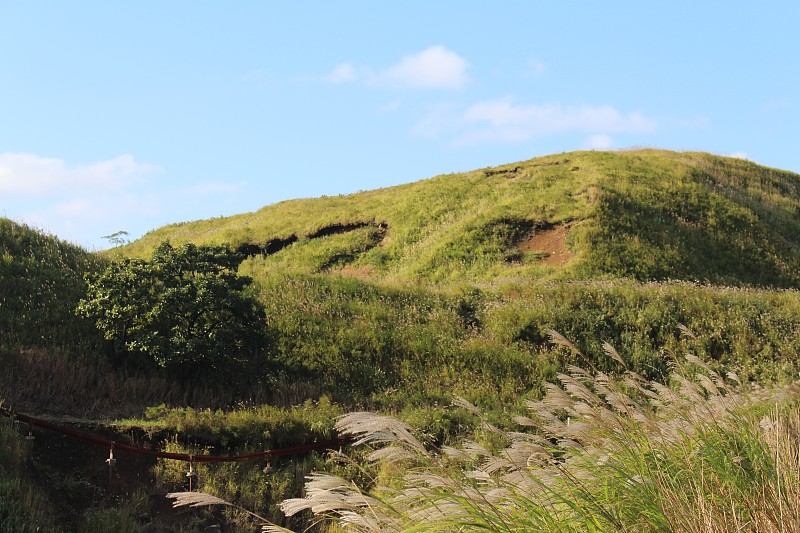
[[186, 308]]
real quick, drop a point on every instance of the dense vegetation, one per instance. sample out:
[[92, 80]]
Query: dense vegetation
[[41, 282], [356, 341], [398, 299], [186, 309], [602, 452]]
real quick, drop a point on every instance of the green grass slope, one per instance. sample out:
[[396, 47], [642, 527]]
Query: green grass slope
[[41, 282], [644, 214], [404, 295]]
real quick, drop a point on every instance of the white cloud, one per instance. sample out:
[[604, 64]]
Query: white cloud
[[342, 73], [31, 175], [80, 203], [433, 68], [84, 217], [552, 118], [739, 155], [599, 142], [503, 121], [76, 202]]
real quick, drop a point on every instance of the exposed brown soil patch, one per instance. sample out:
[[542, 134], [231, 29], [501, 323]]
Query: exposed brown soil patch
[[550, 240]]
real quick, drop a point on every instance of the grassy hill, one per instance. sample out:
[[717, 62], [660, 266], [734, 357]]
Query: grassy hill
[[451, 284], [400, 298], [646, 215], [41, 282]]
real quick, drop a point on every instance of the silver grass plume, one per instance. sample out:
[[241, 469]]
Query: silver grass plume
[[558, 339], [326, 493], [612, 352], [379, 429], [202, 499], [458, 401], [195, 499]]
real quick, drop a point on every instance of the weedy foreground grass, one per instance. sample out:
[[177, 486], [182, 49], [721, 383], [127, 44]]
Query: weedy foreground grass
[[600, 452], [607, 454]]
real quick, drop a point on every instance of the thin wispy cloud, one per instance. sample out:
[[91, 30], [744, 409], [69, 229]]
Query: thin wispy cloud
[[391, 107], [73, 208], [442, 119], [503, 121], [532, 120]]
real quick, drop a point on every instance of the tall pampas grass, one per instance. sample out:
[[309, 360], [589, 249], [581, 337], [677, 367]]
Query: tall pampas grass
[[202, 499], [599, 452]]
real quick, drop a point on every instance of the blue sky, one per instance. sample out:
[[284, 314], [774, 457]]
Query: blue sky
[[128, 116]]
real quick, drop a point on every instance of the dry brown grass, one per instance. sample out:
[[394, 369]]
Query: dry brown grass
[[50, 383]]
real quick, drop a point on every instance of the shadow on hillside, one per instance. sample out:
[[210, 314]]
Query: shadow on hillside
[[42, 383], [275, 245]]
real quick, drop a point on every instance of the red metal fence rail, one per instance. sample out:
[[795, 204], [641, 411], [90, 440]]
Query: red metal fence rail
[[189, 458]]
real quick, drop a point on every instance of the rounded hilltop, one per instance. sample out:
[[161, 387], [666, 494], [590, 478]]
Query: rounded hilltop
[[640, 214]]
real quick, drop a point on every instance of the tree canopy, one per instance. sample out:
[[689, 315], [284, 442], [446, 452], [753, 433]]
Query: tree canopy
[[186, 308]]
